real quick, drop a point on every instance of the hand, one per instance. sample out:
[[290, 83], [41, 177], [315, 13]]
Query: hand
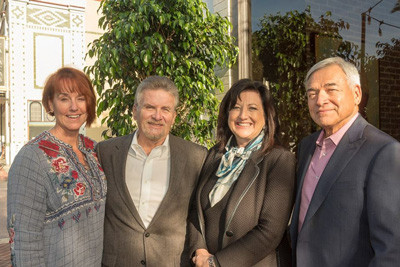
[[201, 258]]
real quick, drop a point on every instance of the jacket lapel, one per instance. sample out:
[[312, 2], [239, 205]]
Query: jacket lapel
[[346, 149], [243, 183], [247, 177], [176, 176], [305, 158], [209, 168], [119, 158], [303, 163]]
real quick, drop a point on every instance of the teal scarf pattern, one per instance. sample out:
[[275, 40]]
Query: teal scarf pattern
[[231, 165]]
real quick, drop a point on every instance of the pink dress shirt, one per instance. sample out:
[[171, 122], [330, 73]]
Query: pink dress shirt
[[323, 152]]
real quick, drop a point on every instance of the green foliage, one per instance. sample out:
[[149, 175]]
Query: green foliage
[[282, 46], [396, 7], [179, 39], [388, 49]]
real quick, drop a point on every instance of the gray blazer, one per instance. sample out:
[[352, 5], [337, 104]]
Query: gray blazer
[[354, 215], [257, 212], [127, 242]]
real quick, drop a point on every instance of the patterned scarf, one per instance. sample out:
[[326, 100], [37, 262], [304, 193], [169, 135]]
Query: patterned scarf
[[231, 165]]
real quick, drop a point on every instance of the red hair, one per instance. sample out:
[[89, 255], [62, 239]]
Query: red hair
[[70, 80]]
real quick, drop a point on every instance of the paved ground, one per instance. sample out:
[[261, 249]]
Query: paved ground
[[4, 247], [4, 255]]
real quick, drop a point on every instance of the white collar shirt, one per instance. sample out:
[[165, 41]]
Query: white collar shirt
[[147, 177]]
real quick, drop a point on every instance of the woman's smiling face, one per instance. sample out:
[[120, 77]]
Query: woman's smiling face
[[246, 119], [69, 110]]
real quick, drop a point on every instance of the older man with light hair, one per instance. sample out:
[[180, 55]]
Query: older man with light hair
[[152, 177], [347, 208]]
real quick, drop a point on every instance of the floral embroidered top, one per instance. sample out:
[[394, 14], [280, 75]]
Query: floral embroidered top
[[55, 208]]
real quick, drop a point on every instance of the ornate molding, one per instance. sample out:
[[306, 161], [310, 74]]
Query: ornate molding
[[50, 18]]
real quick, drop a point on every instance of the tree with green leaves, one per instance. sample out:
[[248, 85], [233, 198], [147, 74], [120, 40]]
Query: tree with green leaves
[[283, 47], [396, 7], [179, 39]]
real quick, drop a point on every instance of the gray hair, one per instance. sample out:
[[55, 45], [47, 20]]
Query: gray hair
[[349, 69], [155, 83]]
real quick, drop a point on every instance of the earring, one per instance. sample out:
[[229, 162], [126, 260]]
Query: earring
[[51, 113]]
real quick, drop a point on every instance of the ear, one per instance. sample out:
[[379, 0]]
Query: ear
[[173, 121], [357, 94], [51, 106]]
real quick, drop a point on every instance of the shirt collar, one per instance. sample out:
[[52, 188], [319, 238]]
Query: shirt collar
[[336, 137], [138, 149]]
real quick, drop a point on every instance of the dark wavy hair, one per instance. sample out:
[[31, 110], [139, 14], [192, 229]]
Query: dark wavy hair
[[271, 129]]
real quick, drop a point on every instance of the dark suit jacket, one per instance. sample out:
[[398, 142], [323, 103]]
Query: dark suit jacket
[[354, 215], [127, 242], [257, 212]]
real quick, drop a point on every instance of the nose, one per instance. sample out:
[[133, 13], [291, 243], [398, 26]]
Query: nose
[[243, 113], [322, 97], [73, 106], [157, 114]]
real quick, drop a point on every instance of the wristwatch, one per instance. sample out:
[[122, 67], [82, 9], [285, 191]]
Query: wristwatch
[[211, 262]]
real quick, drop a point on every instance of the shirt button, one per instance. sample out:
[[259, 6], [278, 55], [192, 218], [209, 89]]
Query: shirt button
[[229, 233], [143, 262], [147, 234]]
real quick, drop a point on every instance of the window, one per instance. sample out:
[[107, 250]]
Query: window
[[289, 36], [35, 111], [38, 119]]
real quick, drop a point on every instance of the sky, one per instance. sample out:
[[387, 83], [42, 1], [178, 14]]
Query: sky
[[266, 7]]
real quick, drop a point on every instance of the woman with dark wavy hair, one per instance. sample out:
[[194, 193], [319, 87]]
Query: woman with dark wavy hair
[[245, 194]]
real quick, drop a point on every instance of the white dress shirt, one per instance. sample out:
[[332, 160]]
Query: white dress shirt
[[147, 177]]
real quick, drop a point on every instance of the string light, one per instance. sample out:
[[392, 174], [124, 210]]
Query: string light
[[380, 30], [369, 16], [381, 22]]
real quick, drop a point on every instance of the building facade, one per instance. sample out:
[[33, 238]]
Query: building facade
[[38, 38]]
